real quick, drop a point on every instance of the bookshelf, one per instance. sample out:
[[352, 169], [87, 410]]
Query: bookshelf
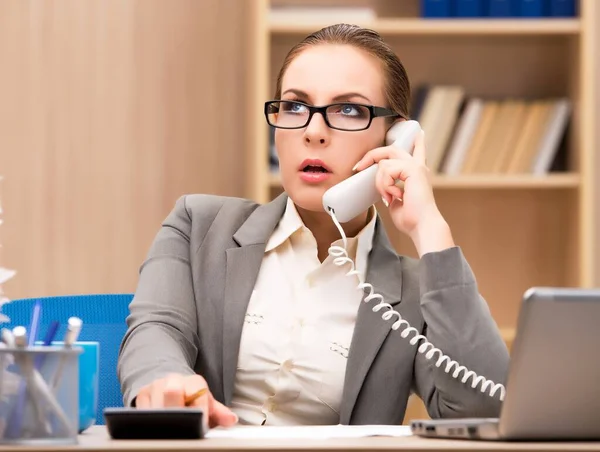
[[516, 230], [416, 27]]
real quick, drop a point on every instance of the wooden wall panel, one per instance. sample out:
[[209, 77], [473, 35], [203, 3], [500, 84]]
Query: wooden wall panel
[[587, 122], [109, 111], [595, 124]]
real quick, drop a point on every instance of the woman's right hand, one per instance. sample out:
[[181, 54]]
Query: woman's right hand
[[172, 390]]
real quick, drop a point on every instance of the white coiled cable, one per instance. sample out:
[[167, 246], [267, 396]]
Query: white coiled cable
[[340, 258]]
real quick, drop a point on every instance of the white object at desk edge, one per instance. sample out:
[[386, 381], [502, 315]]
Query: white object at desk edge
[[309, 431]]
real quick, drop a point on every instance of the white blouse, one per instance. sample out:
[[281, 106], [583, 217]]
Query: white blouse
[[298, 328]]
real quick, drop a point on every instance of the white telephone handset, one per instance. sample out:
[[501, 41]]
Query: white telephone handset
[[353, 196]]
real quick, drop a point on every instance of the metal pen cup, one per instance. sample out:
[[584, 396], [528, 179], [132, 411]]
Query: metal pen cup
[[49, 412]]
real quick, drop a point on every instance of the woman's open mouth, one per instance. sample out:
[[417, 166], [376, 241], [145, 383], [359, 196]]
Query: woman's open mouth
[[314, 171]]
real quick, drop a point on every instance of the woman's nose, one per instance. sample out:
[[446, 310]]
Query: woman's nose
[[317, 131]]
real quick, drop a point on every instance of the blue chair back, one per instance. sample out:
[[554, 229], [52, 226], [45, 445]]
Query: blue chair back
[[103, 319]]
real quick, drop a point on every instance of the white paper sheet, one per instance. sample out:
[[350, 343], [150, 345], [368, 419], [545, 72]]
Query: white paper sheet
[[309, 432]]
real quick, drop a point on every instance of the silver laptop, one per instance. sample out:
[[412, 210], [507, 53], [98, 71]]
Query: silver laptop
[[553, 384]]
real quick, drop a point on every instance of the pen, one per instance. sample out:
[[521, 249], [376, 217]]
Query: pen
[[190, 398], [35, 323], [41, 359], [8, 342], [73, 329], [44, 391], [19, 334], [52, 329], [21, 340]]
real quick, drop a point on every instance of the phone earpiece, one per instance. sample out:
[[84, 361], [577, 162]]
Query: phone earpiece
[[402, 135]]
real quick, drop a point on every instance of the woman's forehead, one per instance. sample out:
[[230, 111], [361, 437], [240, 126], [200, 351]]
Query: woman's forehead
[[324, 71]]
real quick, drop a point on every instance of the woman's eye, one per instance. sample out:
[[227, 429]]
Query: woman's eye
[[293, 107], [349, 110]]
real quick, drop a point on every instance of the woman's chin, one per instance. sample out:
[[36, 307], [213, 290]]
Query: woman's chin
[[310, 200]]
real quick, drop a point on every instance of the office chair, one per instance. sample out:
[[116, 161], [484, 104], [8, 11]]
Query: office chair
[[103, 317]]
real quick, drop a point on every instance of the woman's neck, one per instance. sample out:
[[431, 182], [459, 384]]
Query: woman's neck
[[326, 232]]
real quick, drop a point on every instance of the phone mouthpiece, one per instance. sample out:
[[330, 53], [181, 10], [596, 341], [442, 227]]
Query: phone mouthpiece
[[353, 196]]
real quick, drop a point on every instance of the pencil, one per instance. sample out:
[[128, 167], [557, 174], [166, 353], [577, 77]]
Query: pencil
[[190, 398]]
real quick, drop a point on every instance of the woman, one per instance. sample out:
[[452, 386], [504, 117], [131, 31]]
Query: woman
[[244, 300]]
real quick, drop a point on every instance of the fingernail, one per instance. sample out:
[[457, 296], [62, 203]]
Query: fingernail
[[387, 204], [354, 167]]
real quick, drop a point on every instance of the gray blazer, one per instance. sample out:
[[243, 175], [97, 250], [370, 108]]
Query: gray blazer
[[194, 287]]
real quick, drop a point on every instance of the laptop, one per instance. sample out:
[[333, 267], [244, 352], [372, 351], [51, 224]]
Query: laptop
[[553, 384]]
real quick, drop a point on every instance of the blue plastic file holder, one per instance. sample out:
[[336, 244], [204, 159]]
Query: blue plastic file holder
[[39, 391]]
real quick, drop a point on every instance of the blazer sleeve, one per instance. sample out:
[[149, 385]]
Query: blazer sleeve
[[459, 323], [162, 336]]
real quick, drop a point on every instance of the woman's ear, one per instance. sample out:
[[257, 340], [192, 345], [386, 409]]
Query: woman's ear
[[394, 122]]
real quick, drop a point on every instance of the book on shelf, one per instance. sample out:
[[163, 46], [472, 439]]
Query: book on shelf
[[497, 9], [299, 12], [471, 135]]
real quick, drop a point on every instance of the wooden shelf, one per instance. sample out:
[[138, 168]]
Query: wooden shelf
[[552, 181], [419, 26], [510, 181]]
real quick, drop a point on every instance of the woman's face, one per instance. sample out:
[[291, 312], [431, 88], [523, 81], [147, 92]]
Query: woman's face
[[315, 158]]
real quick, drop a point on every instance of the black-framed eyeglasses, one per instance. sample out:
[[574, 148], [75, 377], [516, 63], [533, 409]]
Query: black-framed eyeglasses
[[348, 116]]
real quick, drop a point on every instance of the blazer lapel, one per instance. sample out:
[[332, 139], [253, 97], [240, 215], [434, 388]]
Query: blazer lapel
[[243, 265], [384, 273]]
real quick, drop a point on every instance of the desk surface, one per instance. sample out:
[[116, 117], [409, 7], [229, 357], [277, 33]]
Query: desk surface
[[97, 439]]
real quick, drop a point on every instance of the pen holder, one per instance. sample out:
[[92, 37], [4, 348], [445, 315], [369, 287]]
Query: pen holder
[[39, 395]]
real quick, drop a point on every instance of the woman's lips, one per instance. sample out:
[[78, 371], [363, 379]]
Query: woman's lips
[[314, 177], [314, 171]]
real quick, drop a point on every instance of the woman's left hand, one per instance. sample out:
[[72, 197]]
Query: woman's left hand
[[412, 208]]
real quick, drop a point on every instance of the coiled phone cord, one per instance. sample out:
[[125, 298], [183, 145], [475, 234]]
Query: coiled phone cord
[[340, 258]]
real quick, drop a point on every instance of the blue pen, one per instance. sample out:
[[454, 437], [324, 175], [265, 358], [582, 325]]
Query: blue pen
[[50, 334], [35, 323], [17, 419], [40, 359]]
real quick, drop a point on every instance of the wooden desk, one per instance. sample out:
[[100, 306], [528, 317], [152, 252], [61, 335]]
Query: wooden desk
[[97, 439]]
